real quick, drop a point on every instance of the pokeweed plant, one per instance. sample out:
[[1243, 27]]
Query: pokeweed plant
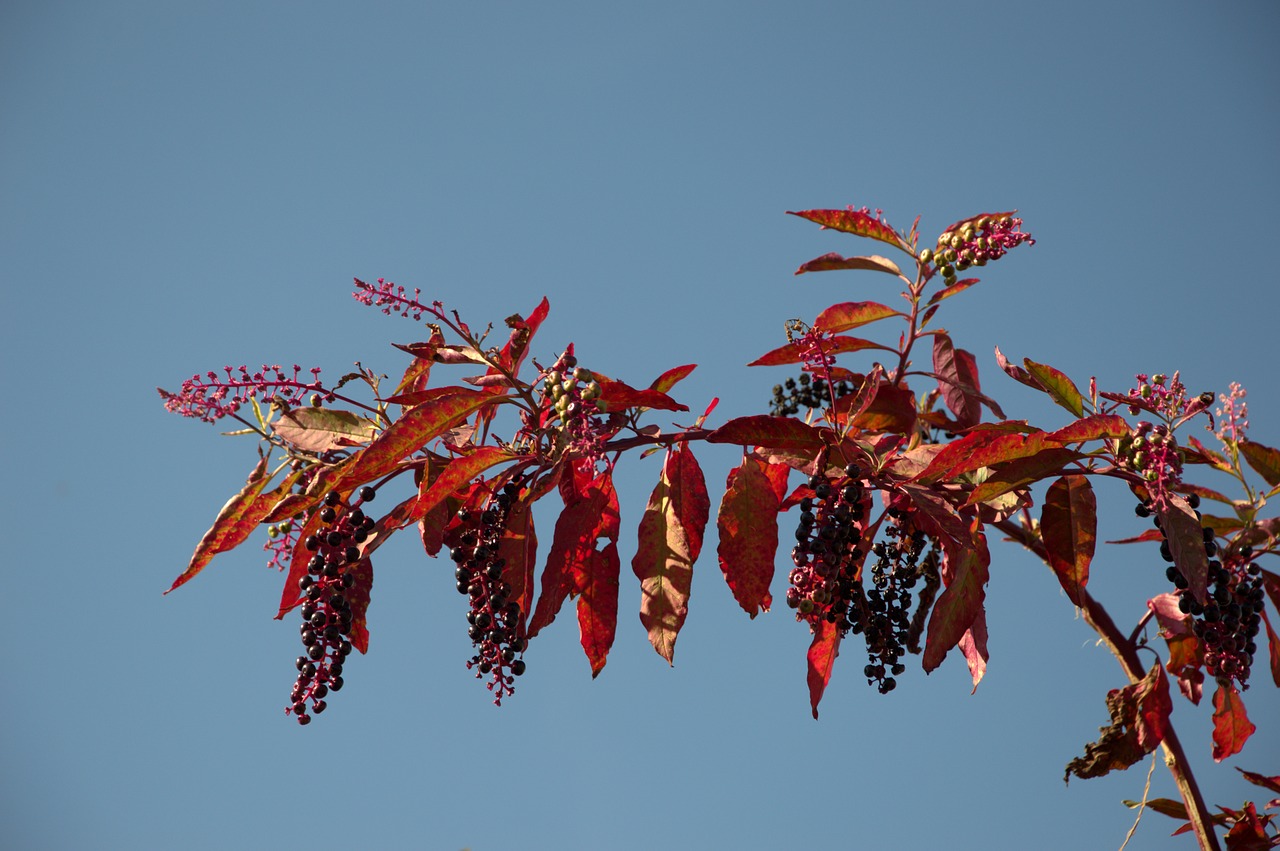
[[905, 471]]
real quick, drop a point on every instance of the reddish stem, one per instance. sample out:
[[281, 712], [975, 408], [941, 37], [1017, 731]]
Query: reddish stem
[[1126, 652]]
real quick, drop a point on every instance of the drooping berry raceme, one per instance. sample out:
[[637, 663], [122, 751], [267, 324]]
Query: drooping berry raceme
[[887, 620], [827, 555], [827, 577], [327, 618], [975, 243], [1227, 624], [493, 618], [211, 397]]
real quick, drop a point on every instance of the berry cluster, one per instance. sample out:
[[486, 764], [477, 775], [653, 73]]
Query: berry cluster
[[1152, 452], [1228, 623], [975, 243], [571, 397], [826, 556], [326, 615], [211, 397], [827, 577], [887, 622], [811, 393], [493, 618]]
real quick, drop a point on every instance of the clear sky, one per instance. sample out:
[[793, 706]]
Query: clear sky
[[187, 185]]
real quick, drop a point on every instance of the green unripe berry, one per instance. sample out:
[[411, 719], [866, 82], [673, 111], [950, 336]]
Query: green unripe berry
[[926, 255], [273, 532], [583, 374]]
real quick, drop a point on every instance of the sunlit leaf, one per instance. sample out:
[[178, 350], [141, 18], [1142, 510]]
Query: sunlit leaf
[[459, 472], [1090, 428], [1264, 460], [1023, 472], [857, 223], [1016, 372], [835, 262], [799, 352], [598, 605], [415, 428], [1060, 388], [765, 430], [618, 396], [1069, 527], [851, 314], [967, 569], [952, 289], [669, 542], [235, 522], [980, 448], [663, 383], [323, 429], [1273, 649], [747, 522], [1231, 726], [821, 659]]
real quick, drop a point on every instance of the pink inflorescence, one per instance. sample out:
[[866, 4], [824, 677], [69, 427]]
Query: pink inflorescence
[[1234, 415], [211, 397], [393, 298]]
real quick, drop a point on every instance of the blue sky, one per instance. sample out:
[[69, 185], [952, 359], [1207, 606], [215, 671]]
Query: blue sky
[[188, 185]]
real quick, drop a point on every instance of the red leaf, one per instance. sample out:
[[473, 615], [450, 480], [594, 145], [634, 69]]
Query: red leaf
[[1273, 649], [669, 542], [1146, 537], [1186, 543], [855, 222], [973, 644], [1069, 526], [415, 428], [1205, 493], [955, 375], [821, 657], [747, 521], [851, 314], [459, 472], [856, 404], [358, 597], [796, 352], [1231, 726], [518, 548], [235, 522], [1016, 372], [892, 409], [764, 430], [618, 396], [834, 262], [1060, 388], [960, 604], [1090, 428], [952, 289], [598, 605], [663, 383], [1264, 460], [1272, 783], [980, 448], [419, 397], [1023, 472], [1249, 833], [291, 597], [588, 515]]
